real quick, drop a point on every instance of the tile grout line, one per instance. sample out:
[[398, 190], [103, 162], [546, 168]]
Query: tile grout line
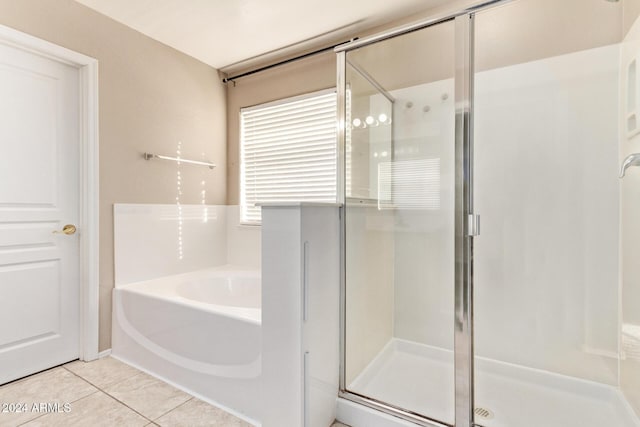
[[19, 380], [109, 394], [47, 413], [127, 406], [32, 419], [173, 409], [97, 386], [123, 403], [119, 401], [99, 389], [85, 380]]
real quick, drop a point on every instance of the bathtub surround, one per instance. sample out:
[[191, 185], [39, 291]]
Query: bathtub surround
[[150, 98], [161, 240], [243, 241], [186, 306], [154, 241]]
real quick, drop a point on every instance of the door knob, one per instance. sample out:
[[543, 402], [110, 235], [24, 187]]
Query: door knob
[[68, 229]]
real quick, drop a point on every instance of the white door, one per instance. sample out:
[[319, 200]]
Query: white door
[[39, 194]]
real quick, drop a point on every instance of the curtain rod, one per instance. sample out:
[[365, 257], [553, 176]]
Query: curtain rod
[[286, 61]]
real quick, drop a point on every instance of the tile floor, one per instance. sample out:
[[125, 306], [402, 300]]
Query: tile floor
[[105, 392]]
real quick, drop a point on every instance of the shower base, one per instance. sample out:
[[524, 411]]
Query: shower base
[[420, 378]]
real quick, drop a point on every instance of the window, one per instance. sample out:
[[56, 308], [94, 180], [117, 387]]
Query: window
[[288, 152]]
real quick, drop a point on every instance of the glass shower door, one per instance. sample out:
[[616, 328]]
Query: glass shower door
[[399, 222]]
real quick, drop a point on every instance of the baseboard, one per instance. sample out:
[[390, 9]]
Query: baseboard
[[104, 353]]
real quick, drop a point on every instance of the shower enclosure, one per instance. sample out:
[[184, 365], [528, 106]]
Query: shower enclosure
[[497, 111]]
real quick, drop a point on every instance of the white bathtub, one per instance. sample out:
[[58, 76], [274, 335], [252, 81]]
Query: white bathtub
[[199, 331]]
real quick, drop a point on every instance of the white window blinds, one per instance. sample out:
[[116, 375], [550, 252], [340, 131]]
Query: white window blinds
[[288, 152]]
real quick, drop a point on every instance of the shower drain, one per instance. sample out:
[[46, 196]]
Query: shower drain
[[483, 413]]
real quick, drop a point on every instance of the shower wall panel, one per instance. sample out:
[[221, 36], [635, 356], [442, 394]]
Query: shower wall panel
[[630, 230], [546, 187], [369, 287], [424, 212], [547, 259]]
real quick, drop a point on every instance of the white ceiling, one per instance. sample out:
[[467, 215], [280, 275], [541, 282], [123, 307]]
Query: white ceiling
[[223, 32]]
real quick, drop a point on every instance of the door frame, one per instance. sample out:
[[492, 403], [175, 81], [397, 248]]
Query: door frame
[[89, 198]]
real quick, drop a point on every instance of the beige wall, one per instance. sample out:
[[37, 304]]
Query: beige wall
[[631, 10], [151, 97], [527, 30], [514, 33]]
